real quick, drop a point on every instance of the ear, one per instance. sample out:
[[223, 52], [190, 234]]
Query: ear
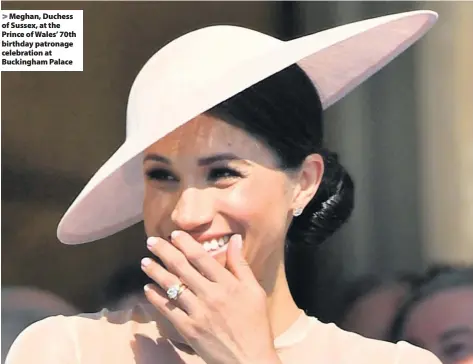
[[308, 180]]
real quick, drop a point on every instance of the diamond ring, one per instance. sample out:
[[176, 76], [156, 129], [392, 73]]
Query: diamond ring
[[174, 291]]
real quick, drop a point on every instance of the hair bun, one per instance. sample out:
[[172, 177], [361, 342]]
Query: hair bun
[[329, 209]]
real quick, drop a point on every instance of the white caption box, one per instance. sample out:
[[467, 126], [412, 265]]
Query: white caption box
[[42, 40]]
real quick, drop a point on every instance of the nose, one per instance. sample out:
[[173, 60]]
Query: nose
[[194, 210]]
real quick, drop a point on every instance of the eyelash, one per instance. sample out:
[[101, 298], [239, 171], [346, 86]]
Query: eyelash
[[455, 350], [215, 174], [160, 174]]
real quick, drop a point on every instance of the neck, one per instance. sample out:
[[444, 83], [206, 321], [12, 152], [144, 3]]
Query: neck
[[282, 309]]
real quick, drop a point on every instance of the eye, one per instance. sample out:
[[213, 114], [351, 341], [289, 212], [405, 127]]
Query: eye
[[160, 174], [223, 173], [456, 351]]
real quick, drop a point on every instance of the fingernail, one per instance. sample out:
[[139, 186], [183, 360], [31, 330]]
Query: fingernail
[[151, 241], [145, 262], [239, 241], [174, 234], [147, 288]]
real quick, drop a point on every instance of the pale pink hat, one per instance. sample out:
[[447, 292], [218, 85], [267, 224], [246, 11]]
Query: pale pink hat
[[201, 69]]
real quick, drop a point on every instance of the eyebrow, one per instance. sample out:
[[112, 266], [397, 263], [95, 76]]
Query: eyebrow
[[460, 330], [201, 162]]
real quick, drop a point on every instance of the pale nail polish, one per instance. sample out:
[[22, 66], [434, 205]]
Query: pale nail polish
[[239, 241], [151, 241], [145, 262]]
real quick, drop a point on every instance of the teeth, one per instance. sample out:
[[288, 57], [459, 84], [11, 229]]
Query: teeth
[[215, 244]]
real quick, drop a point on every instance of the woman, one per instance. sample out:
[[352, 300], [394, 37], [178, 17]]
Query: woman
[[224, 162], [370, 304], [438, 315]]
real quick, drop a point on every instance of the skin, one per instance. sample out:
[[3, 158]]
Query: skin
[[371, 315], [245, 197], [443, 324]]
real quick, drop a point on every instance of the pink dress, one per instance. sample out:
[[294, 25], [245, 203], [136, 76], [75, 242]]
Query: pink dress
[[133, 337]]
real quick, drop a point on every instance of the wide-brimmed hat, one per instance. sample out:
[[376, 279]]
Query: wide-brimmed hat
[[199, 70]]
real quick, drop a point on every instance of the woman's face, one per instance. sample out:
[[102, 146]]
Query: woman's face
[[212, 180], [443, 324], [372, 314]]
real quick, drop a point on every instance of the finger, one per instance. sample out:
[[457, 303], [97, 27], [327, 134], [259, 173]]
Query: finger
[[236, 262], [177, 263], [198, 257], [186, 300], [158, 298]]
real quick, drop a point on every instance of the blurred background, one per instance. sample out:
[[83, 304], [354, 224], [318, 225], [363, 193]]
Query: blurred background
[[406, 136]]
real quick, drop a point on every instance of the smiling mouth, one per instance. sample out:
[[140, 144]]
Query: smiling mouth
[[215, 244]]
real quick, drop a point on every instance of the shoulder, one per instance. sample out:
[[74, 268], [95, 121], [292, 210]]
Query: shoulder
[[411, 354], [30, 346], [369, 351], [68, 340]]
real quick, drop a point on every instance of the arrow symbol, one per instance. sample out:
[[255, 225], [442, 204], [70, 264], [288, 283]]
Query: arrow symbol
[[4, 16]]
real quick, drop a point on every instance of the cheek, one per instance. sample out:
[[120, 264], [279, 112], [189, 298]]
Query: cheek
[[260, 208], [156, 206]]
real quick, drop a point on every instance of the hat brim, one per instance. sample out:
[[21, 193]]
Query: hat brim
[[336, 60]]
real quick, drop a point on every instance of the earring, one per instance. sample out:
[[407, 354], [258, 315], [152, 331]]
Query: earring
[[298, 211]]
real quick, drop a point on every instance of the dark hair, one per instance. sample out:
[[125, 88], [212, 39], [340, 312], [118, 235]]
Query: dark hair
[[437, 279], [409, 279], [125, 281], [285, 112]]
